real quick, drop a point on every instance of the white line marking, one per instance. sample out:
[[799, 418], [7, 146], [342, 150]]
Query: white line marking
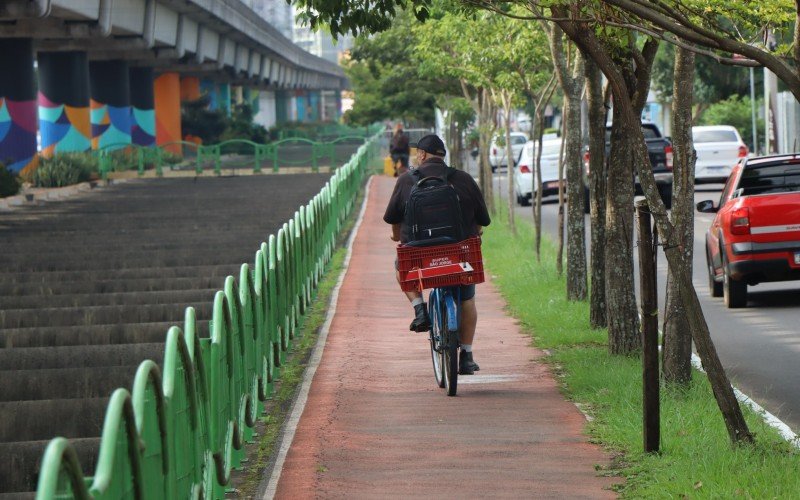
[[316, 355]]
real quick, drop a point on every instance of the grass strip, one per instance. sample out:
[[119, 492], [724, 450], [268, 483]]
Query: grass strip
[[696, 459]]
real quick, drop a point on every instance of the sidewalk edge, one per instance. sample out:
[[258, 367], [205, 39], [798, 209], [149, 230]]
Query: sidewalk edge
[[313, 362]]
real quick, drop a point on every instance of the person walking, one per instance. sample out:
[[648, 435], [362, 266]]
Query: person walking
[[399, 150]]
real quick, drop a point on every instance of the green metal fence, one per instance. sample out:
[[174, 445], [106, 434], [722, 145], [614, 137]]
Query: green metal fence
[[182, 428], [293, 150]]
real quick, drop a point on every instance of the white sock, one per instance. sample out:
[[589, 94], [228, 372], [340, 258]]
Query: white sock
[[417, 301], [466, 347]]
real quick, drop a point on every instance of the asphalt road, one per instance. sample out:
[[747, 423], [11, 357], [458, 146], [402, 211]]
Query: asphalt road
[[759, 345]]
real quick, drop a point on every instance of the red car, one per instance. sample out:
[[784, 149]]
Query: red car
[[755, 236]]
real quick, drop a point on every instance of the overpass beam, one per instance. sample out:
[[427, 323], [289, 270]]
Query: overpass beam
[[143, 114], [64, 117], [17, 104], [110, 103]]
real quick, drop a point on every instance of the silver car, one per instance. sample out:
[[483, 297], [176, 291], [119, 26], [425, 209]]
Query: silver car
[[719, 148]]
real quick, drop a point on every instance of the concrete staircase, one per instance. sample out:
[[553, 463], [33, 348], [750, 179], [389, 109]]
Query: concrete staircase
[[89, 287]]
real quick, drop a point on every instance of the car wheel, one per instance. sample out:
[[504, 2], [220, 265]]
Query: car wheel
[[733, 291], [494, 169], [524, 201], [714, 286]]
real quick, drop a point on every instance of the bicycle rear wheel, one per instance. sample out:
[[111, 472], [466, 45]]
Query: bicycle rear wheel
[[435, 307], [449, 356]]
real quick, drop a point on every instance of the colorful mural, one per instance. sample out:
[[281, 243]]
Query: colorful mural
[[143, 115], [18, 134], [111, 125], [63, 128], [143, 126], [17, 105]]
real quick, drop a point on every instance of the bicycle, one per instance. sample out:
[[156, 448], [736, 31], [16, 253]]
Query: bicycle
[[442, 268], [443, 309]]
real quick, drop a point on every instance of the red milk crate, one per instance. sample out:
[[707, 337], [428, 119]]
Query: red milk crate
[[442, 265]]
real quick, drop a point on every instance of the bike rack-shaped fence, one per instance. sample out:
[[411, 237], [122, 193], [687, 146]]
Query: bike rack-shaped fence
[[182, 428], [247, 153]]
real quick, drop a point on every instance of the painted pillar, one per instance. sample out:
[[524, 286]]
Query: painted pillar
[[225, 98], [17, 105], [281, 106], [252, 97], [314, 102], [190, 88], [208, 88], [143, 114], [64, 102], [110, 103], [167, 98]]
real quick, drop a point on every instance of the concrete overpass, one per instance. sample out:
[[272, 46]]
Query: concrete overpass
[[114, 71]]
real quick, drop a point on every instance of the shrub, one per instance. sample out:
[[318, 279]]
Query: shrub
[[64, 169], [9, 183]]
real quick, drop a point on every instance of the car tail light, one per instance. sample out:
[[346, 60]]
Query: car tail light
[[668, 156], [523, 169], [586, 158], [740, 221], [742, 151]]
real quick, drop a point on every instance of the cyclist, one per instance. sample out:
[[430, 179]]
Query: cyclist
[[429, 159], [399, 150]]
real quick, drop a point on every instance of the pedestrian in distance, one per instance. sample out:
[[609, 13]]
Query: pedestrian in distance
[[400, 150]]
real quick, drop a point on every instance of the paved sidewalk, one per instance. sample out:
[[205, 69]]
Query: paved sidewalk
[[376, 425]]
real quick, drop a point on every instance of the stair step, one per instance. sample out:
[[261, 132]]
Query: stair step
[[37, 358], [45, 419], [64, 383], [124, 333], [20, 473]]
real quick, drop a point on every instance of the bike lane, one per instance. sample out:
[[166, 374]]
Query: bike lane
[[376, 425]]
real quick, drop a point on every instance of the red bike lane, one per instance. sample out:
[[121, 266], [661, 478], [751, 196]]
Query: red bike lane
[[376, 425]]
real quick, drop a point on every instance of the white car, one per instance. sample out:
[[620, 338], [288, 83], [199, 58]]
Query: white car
[[523, 173], [719, 148], [497, 153]]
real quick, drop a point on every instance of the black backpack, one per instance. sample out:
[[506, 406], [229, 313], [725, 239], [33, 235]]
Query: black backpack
[[433, 211]]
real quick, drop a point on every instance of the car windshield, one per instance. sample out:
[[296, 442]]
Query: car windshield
[[714, 136], [649, 132], [518, 139], [770, 179]]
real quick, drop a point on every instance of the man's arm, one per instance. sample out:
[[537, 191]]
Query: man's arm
[[395, 232]]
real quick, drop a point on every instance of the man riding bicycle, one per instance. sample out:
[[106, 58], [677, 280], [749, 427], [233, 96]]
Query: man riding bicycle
[[429, 160]]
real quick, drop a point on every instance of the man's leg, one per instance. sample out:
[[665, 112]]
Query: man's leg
[[422, 322], [468, 323]]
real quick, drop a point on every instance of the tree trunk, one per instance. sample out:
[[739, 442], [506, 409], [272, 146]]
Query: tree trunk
[[627, 110], [536, 179], [506, 97], [623, 319], [486, 132], [576, 228], [597, 191], [677, 336], [561, 200]]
